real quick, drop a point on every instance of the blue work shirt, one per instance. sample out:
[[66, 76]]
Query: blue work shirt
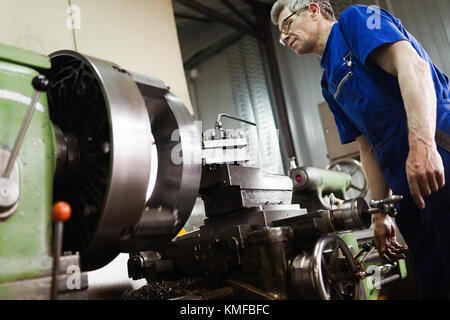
[[366, 100]]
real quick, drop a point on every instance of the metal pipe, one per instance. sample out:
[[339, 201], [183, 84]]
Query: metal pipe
[[57, 246], [390, 279]]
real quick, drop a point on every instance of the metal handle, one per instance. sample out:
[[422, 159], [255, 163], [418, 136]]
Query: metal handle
[[385, 206], [390, 200], [219, 123], [40, 83]]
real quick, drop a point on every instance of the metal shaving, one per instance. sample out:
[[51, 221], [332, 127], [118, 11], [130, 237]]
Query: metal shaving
[[165, 290]]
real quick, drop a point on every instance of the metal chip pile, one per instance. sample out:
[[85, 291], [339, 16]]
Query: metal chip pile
[[165, 290]]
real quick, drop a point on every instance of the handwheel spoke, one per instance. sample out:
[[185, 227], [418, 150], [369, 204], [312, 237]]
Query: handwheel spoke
[[355, 170], [356, 187], [326, 268], [334, 255]]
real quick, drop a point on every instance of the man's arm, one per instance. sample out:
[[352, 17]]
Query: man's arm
[[377, 185], [385, 232], [424, 167]]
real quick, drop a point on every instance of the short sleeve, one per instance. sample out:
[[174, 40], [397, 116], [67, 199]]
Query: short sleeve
[[367, 28], [348, 132]]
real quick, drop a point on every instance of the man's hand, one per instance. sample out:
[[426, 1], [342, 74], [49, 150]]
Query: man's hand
[[425, 171], [386, 239]]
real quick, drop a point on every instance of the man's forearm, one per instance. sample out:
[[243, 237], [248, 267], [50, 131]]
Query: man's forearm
[[378, 186]]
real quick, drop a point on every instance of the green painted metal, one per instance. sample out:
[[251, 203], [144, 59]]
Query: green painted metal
[[25, 236], [352, 242], [402, 268], [24, 57], [336, 182], [371, 292]]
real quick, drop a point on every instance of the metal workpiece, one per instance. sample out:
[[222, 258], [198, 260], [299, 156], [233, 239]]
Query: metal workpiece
[[179, 162], [104, 119], [329, 272]]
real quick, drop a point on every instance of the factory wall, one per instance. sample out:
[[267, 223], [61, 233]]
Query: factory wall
[[429, 22], [139, 35]]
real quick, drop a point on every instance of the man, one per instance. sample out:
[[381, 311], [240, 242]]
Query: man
[[386, 93]]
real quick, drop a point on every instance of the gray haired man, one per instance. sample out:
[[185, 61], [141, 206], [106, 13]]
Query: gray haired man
[[386, 93]]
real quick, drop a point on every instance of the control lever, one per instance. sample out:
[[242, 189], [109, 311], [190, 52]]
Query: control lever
[[367, 247], [40, 84], [61, 212], [382, 270], [220, 127], [385, 206]]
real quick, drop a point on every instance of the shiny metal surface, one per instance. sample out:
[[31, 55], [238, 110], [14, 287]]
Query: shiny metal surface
[[313, 277], [230, 188], [179, 149], [130, 160], [352, 214]]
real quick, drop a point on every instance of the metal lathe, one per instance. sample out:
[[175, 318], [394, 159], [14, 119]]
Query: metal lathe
[[84, 132]]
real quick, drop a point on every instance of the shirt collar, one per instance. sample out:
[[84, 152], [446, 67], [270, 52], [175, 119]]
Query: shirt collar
[[326, 52]]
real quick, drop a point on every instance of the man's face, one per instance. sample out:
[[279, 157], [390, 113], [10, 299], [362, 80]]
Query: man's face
[[303, 31]]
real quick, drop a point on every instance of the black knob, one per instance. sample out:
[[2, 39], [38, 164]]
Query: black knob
[[40, 83]]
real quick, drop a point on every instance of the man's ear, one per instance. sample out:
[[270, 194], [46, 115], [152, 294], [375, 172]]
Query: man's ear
[[314, 10]]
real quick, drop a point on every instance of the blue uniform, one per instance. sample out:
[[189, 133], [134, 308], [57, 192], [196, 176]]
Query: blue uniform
[[365, 100]]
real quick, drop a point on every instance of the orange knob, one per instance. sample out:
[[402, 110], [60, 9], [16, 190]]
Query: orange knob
[[61, 211]]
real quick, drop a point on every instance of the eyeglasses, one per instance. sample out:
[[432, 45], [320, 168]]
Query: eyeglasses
[[286, 24]]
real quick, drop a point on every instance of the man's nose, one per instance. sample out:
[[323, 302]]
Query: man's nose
[[283, 39]]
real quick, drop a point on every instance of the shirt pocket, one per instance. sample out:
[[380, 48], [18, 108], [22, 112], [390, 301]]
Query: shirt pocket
[[342, 74]]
